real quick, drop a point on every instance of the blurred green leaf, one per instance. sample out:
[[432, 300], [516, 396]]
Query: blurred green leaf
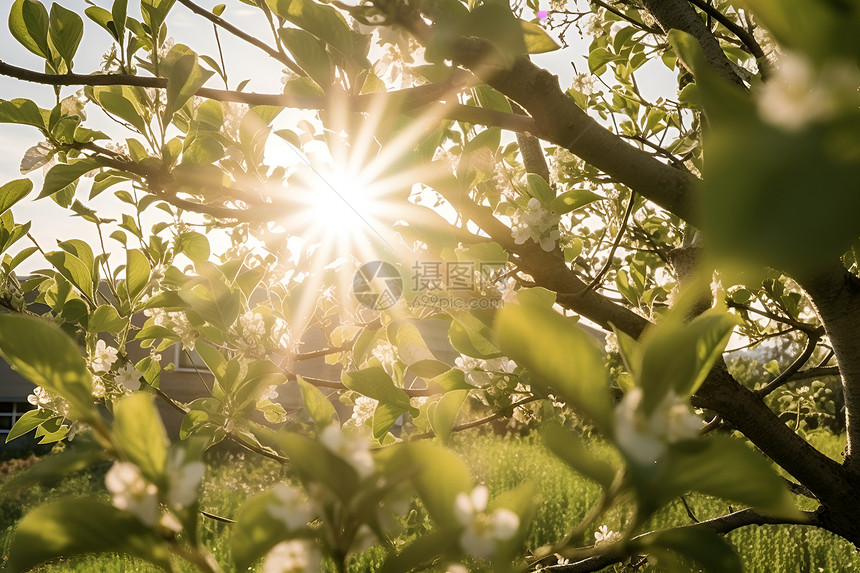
[[139, 432], [563, 357], [76, 526]]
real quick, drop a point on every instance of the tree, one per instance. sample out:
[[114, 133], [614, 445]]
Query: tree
[[668, 223]]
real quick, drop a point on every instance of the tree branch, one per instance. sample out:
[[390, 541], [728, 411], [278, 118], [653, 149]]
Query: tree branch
[[679, 15], [785, 376], [720, 525], [279, 56], [745, 37], [419, 99]]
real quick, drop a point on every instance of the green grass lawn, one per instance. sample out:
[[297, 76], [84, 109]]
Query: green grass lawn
[[502, 464]]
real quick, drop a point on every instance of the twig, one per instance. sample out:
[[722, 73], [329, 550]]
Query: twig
[[785, 376]]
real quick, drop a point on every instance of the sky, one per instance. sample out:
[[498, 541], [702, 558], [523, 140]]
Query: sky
[[52, 223]]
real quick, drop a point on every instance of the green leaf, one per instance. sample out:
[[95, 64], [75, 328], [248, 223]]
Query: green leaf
[[536, 39], [64, 174], [705, 547], [540, 189], [444, 413], [318, 406], [154, 12], [137, 272], [73, 269], [12, 192], [572, 450], [65, 31], [724, 467], [194, 245], [316, 463], [105, 319], [76, 526], [29, 421], [563, 357], [47, 357], [256, 530], [375, 383], [425, 549], [21, 111], [28, 22], [441, 476], [119, 11], [678, 356], [309, 53], [322, 21], [123, 102], [140, 434], [184, 77], [573, 200]]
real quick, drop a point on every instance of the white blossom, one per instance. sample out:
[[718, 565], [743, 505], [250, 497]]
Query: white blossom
[[351, 446], [183, 478], [293, 509], [483, 531], [797, 94], [535, 223], [252, 324], [644, 437], [132, 493], [103, 357], [605, 535], [40, 398], [385, 352], [362, 411], [592, 26], [480, 373], [584, 84], [294, 556], [128, 377]]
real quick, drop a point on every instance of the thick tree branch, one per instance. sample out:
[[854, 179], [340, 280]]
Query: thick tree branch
[[721, 525], [835, 294], [679, 15], [745, 37], [561, 121]]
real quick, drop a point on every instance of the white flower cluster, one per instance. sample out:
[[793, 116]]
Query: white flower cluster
[[797, 94], [103, 357], [535, 223], [132, 492], [42, 399], [175, 321], [362, 411], [584, 84], [353, 447], [483, 531], [385, 352], [502, 181], [294, 556], [481, 373], [644, 438], [252, 331], [591, 26], [604, 535], [293, 508]]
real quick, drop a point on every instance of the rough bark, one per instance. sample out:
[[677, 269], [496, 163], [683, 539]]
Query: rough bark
[[679, 15], [836, 296]]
